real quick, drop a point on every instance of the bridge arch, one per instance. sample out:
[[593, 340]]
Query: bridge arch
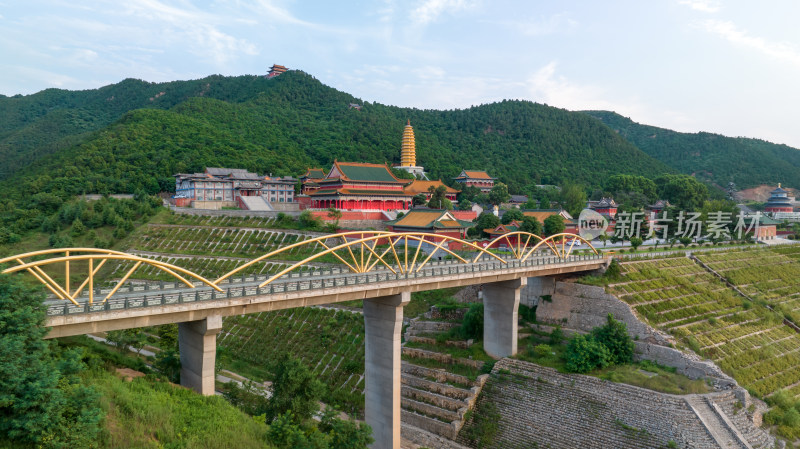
[[32, 263]]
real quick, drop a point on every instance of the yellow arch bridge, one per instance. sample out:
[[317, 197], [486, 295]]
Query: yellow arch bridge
[[356, 251]]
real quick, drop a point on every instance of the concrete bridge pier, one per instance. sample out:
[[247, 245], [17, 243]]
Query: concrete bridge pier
[[383, 322], [197, 342], [500, 317]]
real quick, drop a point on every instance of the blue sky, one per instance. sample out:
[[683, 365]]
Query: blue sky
[[690, 65]]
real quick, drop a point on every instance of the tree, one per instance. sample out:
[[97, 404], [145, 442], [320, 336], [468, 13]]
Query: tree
[[626, 184], [530, 204], [344, 434], [584, 353], [499, 194], [573, 198], [464, 205], [683, 191], [122, 339], [437, 197], [419, 199], [295, 390], [468, 193], [77, 228], [486, 221], [472, 325], [511, 215], [532, 225], [554, 224], [636, 242], [614, 336], [41, 400]]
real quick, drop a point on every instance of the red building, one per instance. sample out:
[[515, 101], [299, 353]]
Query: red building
[[606, 207], [310, 179], [479, 179], [276, 70], [441, 222], [778, 201], [360, 186]]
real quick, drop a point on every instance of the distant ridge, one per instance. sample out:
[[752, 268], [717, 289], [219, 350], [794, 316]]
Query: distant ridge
[[712, 157], [136, 135]]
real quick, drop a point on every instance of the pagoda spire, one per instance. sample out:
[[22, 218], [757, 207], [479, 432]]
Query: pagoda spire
[[408, 150]]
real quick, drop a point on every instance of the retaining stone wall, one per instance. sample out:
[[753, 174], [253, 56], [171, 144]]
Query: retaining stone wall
[[231, 212], [448, 313], [539, 405], [583, 307]]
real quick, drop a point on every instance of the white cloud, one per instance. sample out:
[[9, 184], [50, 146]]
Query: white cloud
[[702, 5], [554, 24], [730, 32], [200, 28], [547, 87], [430, 10]]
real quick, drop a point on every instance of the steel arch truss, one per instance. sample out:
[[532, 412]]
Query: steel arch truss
[[33, 263], [360, 251], [560, 244]]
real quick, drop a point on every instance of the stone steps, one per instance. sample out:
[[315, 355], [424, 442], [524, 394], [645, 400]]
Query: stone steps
[[743, 420], [436, 387], [435, 399], [440, 357], [440, 374], [429, 402], [431, 411], [443, 429], [715, 424], [416, 438]]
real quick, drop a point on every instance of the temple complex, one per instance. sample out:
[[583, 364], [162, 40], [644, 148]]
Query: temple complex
[[408, 153], [606, 207], [778, 202], [310, 179], [441, 222], [419, 186], [475, 178], [360, 186]]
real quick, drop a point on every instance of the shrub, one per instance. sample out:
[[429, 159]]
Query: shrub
[[614, 336], [472, 326], [556, 336], [543, 350], [585, 354]]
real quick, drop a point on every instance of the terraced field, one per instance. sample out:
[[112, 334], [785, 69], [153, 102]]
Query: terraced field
[[746, 340], [792, 251], [208, 267], [234, 242], [769, 275], [330, 342]]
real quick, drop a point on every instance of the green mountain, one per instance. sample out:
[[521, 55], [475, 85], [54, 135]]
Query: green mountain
[[136, 135], [38, 125], [711, 157]]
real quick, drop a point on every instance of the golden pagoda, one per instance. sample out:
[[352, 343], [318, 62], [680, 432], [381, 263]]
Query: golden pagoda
[[408, 150]]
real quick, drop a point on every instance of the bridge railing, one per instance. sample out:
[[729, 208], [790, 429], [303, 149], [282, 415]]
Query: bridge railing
[[248, 285]]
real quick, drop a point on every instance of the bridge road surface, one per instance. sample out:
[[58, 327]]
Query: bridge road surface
[[142, 305]]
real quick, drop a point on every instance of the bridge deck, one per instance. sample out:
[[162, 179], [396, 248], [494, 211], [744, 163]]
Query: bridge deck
[[142, 306]]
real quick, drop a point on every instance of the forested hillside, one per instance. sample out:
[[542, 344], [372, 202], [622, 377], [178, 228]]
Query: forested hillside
[[37, 125], [282, 126], [712, 157]]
